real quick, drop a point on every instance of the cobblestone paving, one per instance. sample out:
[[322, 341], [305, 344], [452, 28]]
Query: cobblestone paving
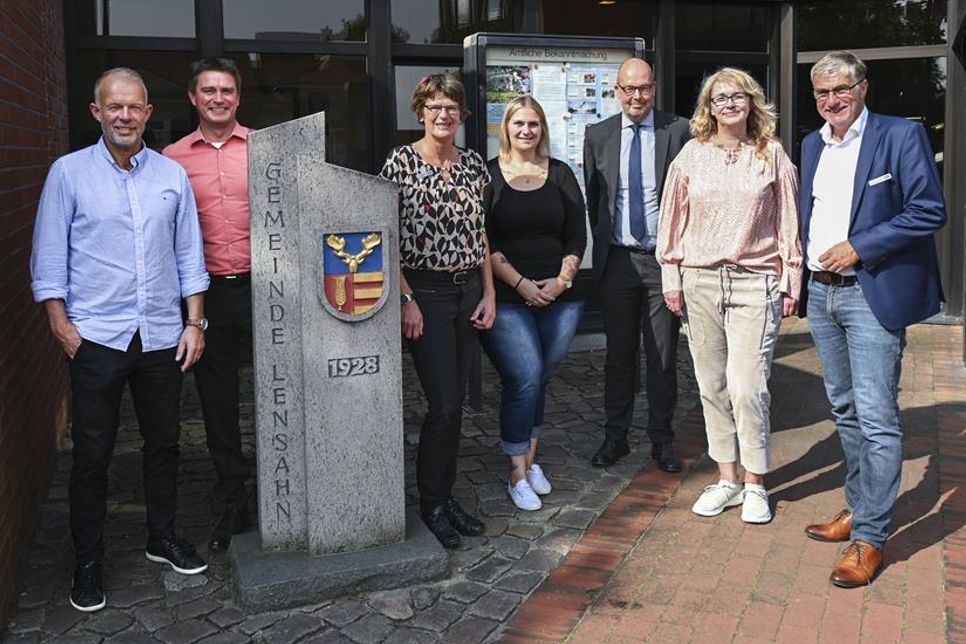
[[490, 576]]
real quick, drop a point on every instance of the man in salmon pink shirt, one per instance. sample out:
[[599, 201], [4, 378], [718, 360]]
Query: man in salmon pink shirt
[[215, 156]]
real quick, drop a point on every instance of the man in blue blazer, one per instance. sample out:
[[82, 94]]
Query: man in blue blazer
[[871, 201]]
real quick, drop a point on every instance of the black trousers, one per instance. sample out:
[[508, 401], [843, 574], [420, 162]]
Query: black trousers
[[442, 357], [97, 376], [633, 305], [228, 344]]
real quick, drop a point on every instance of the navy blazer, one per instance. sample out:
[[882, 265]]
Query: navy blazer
[[897, 206]]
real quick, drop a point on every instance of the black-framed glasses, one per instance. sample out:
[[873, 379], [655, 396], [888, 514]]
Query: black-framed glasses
[[840, 91], [435, 110], [644, 89], [738, 98]]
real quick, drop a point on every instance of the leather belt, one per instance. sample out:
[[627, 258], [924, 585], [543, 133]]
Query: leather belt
[[458, 278], [834, 279], [635, 249], [237, 277]]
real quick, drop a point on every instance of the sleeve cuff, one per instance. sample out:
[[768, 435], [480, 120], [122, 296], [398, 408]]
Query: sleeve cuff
[[44, 291], [195, 286], [670, 278]]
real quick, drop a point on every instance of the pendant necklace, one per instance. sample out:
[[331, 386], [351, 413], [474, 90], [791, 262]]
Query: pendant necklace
[[731, 153], [444, 170]]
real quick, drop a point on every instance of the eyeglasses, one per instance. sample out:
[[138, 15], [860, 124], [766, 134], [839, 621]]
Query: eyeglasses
[[841, 91], [644, 89], [435, 110], [738, 98]]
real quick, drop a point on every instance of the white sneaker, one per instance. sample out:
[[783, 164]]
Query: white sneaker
[[755, 507], [537, 480], [717, 497], [523, 496]]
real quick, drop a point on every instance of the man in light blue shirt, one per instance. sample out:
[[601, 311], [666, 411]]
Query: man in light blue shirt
[[117, 247]]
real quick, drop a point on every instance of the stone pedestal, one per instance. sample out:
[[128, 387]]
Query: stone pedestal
[[328, 391]]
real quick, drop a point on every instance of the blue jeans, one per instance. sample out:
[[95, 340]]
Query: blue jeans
[[526, 344], [861, 361]]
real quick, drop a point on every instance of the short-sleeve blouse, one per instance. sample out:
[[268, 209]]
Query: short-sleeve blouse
[[441, 220]]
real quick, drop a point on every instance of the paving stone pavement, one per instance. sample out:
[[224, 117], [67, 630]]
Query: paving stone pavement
[[649, 570], [489, 577]]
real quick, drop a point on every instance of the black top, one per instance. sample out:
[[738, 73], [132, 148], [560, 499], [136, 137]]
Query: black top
[[535, 229]]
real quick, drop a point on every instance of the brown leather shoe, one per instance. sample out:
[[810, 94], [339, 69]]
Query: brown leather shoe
[[840, 529], [859, 565]]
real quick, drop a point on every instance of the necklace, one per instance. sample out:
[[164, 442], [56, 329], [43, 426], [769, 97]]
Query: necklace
[[444, 170], [732, 153], [527, 177]]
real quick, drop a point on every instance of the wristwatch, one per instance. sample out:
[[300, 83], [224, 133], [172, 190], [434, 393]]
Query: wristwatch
[[566, 284], [201, 323], [406, 298]]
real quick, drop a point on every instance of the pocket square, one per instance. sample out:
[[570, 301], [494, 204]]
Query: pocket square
[[878, 180]]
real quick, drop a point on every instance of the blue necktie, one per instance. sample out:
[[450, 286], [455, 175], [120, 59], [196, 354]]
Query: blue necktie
[[636, 187]]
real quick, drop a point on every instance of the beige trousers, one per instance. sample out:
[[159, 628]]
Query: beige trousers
[[731, 318]]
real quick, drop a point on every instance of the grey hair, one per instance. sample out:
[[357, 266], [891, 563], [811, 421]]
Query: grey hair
[[123, 72], [834, 61]]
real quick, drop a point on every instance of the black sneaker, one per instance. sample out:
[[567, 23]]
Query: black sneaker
[[177, 553], [86, 593], [464, 522]]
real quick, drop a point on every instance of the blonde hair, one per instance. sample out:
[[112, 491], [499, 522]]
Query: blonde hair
[[514, 106], [761, 113]]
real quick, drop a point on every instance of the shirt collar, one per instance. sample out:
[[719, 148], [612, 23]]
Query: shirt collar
[[239, 132], [648, 121], [136, 160], [855, 130]]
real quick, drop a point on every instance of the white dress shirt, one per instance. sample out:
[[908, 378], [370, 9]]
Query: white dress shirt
[[832, 191]]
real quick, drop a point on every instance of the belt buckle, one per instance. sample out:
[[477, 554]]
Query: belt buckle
[[460, 278], [836, 279]]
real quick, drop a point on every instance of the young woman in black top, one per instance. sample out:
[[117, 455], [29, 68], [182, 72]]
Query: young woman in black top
[[535, 221], [447, 287]]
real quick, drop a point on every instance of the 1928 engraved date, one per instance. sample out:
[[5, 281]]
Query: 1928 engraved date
[[360, 366]]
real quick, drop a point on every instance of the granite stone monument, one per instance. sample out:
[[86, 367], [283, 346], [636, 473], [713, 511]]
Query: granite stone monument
[[328, 391]]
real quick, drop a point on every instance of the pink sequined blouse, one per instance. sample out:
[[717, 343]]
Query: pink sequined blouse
[[743, 213]]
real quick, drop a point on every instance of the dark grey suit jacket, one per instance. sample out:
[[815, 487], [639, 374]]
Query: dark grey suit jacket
[[602, 164]]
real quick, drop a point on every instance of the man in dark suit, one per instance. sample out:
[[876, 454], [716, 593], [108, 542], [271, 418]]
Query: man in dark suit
[[625, 161], [871, 201]]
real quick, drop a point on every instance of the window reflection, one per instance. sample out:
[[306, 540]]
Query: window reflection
[[914, 89], [861, 24], [295, 20], [719, 27], [169, 19], [449, 21], [281, 87], [166, 76], [633, 18]]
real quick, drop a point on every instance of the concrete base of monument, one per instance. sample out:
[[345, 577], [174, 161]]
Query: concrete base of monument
[[274, 580]]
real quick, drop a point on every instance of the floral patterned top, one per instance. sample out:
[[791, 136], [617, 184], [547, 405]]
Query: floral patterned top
[[441, 212]]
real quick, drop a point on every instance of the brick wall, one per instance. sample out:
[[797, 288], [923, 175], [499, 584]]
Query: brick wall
[[33, 378]]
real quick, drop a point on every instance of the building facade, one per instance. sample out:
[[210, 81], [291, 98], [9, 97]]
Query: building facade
[[358, 60]]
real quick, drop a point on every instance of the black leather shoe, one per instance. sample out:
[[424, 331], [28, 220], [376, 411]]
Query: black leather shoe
[[440, 526], [609, 451], [464, 522], [663, 455], [231, 523], [86, 593]]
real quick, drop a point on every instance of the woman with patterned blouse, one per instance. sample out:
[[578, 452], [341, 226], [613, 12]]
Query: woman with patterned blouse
[[536, 224], [731, 263], [447, 287]]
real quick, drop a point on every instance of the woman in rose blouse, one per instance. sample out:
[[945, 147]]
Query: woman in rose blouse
[[731, 262], [446, 285]]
